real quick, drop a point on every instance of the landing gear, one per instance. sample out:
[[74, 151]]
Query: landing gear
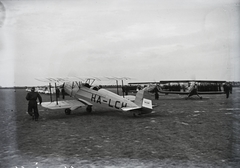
[[136, 114], [67, 111], [89, 109]]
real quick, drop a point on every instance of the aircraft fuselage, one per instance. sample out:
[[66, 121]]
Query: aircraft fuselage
[[100, 97]]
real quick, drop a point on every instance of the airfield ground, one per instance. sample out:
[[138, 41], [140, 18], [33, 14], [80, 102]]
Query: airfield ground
[[182, 133]]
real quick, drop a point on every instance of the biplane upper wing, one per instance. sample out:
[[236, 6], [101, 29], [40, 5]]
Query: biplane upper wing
[[71, 104]]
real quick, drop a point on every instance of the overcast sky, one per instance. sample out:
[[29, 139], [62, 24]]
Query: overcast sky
[[147, 40]]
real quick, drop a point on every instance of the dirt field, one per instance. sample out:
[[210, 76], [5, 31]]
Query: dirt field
[[182, 133]]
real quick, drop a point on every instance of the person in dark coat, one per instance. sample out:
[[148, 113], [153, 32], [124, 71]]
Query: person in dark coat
[[227, 89], [230, 88], [156, 93], [57, 92], [32, 103], [63, 93]]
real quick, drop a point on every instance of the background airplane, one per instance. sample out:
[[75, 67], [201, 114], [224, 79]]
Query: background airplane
[[186, 87]]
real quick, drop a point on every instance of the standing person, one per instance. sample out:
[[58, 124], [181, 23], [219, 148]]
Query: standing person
[[57, 92], [230, 88], [32, 103], [227, 90], [156, 93], [63, 92]]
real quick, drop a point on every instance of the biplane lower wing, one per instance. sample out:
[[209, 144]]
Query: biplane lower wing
[[211, 92], [71, 104], [186, 93]]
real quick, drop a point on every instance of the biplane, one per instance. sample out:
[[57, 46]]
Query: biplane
[[85, 94], [187, 87]]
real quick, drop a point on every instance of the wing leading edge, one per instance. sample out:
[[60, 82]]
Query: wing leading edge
[[71, 104]]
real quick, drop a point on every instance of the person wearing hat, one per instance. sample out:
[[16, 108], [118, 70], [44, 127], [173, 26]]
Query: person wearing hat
[[32, 103]]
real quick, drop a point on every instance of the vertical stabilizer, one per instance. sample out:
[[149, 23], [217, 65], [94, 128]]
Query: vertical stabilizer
[[139, 98], [142, 102]]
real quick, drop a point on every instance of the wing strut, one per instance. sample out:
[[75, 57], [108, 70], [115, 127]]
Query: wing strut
[[72, 88], [50, 91], [56, 93], [122, 87], [117, 87]]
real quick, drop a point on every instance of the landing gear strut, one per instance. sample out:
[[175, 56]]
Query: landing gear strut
[[67, 111], [89, 109]]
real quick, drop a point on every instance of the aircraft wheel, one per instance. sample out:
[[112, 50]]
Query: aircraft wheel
[[136, 114], [67, 111], [89, 109]]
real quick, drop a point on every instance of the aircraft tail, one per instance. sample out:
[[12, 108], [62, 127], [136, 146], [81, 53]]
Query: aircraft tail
[[139, 98], [142, 102], [144, 106]]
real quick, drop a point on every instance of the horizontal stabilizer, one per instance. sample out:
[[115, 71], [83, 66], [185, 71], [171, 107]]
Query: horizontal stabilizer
[[130, 108]]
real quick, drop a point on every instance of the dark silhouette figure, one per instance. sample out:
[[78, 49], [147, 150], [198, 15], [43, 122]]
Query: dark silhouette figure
[[32, 103], [227, 89], [156, 93], [63, 92], [57, 92]]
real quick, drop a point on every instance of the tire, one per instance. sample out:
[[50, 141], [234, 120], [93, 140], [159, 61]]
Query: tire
[[89, 109], [67, 111], [136, 114]]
